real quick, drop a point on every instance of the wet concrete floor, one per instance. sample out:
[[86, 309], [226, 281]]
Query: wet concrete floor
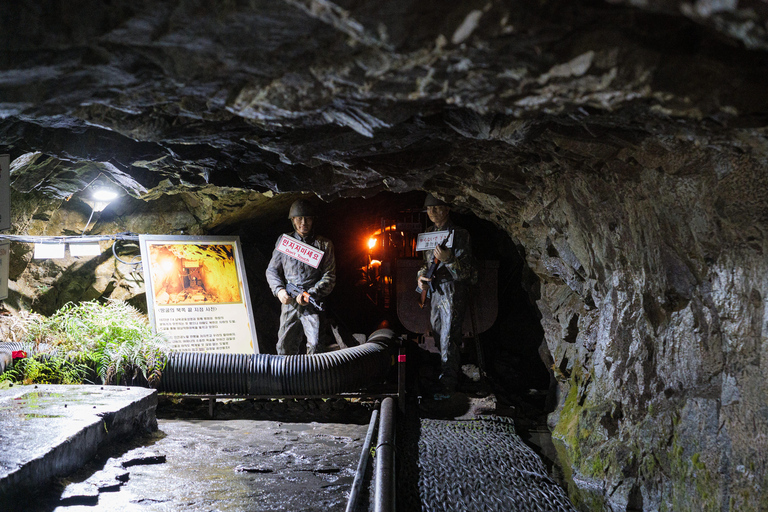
[[48, 430], [221, 464], [252, 455]]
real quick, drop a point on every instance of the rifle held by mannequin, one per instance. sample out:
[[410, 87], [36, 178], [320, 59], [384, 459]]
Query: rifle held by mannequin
[[294, 291]]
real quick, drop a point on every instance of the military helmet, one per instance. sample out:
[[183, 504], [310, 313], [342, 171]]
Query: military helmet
[[301, 208], [431, 200]]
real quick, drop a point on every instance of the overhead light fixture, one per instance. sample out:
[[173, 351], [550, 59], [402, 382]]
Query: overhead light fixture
[[105, 195], [102, 196]]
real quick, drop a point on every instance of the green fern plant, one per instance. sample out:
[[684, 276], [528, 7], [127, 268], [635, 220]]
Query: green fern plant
[[112, 339], [41, 369]]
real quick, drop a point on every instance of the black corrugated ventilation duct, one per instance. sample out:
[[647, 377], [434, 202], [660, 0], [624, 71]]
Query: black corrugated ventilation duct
[[265, 374]]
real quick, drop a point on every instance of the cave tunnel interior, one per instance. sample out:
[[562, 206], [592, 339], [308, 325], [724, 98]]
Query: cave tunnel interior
[[514, 356], [613, 154], [510, 346]]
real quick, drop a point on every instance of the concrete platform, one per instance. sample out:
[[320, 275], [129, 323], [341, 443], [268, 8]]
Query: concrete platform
[[48, 431], [222, 465]]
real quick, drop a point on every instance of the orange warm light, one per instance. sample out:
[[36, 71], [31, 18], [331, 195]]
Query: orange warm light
[[393, 227], [372, 241]]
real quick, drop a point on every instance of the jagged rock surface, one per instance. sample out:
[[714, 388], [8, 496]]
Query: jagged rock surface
[[622, 145]]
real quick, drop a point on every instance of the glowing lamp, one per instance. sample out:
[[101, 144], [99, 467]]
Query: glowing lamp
[[104, 195], [371, 243]]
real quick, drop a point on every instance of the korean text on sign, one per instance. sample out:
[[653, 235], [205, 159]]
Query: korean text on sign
[[428, 241], [299, 250]]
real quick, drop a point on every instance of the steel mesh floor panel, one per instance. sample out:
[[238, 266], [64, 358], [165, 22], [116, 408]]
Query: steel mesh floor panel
[[479, 464]]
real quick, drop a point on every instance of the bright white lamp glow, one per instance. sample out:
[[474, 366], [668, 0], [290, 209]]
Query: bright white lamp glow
[[104, 195]]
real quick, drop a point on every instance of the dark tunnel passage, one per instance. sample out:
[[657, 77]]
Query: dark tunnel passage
[[362, 300], [616, 148]]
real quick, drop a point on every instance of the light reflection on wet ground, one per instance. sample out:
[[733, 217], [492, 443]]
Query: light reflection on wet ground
[[233, 465]]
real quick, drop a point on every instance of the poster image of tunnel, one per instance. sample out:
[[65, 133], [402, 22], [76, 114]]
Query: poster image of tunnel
[[197, 293]]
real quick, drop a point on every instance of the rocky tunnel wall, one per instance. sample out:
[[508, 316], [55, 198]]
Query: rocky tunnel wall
[[650, 274], [648, 269], [621, 145], [652, 277]]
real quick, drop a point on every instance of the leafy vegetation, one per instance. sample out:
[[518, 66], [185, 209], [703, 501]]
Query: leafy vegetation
[[81, 341]]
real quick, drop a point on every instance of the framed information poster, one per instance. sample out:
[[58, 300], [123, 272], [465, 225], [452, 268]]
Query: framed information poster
[[5, 192], [197, 293]]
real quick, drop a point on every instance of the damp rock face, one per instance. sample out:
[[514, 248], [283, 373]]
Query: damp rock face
[[621, 145]]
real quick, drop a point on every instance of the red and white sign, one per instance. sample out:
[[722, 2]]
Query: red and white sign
[[428, 241], [305, 253]]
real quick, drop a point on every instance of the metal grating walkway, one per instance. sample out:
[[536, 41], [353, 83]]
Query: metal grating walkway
[[473, 465]]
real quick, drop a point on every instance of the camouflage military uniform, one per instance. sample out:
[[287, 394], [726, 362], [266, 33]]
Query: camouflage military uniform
[[319, 282], [449, 301]]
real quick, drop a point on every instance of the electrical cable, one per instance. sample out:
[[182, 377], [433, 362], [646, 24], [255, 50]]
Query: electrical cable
[[114, 253], [88, 223], [33, 239]]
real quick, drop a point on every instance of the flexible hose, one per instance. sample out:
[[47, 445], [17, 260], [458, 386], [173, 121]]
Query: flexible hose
[[363, 463], [384, 472], [265, 374]]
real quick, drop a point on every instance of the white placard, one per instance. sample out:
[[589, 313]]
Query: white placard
[[197, 293], [205, 328], [85, 249], [5, 257], [49, 251], [5, 192], [305, 253], [428, 241]]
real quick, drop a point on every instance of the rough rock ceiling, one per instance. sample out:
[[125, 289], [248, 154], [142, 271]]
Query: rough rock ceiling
[[621, 144], [354, 97]]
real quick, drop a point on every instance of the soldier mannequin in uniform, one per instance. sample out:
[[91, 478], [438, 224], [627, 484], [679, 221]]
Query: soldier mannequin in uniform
[[297, 316], [451, 283]]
